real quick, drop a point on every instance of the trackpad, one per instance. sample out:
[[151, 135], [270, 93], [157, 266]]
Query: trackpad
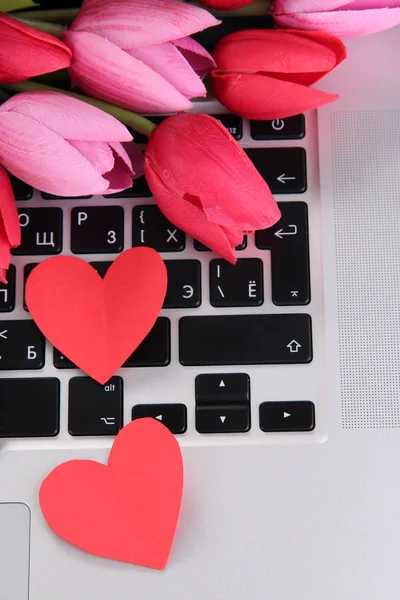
[[15, 522]]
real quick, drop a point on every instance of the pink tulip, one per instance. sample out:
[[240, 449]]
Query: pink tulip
[[205, 184], [10, 231], [137, 53], [63, 146], [344, 19]]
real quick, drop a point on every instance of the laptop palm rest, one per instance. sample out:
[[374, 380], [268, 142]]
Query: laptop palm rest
[[14, 551]]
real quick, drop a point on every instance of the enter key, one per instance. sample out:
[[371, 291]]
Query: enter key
[[290, 262]]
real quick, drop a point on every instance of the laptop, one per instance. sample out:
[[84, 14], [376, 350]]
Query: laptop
[[279, 377]]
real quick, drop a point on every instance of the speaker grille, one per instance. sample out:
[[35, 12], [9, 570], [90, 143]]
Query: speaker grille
[[366, 195]]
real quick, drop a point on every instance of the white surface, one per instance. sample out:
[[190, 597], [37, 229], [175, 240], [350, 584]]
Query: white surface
[[15, 523], [298, 521]]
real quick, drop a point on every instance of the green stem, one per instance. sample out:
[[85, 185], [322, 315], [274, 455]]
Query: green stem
[[52, 28], [136, 122], [66, 15]]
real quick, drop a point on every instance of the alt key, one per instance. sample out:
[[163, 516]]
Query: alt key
[[287, 416]]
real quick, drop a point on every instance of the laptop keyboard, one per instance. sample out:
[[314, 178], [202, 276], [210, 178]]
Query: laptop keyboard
[[219, 323]]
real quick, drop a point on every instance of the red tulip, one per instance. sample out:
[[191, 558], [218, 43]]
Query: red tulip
[[26, 52], [225, 4], [10, 231], [205, 184], [267, 73]]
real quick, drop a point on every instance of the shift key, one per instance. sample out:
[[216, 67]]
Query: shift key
[[245, 339]]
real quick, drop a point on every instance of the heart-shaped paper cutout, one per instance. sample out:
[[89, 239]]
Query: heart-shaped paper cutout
[[97, 323], [127, 510]]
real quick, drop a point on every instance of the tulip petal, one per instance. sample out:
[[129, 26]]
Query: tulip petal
[[366, 4], [234, 236], [68, 117], [166, 60], [135, 156], [54, 166], [195, 156], [184, 213], [105, 71], [262, 97], [296, 6], [99, 154], [4, 254], [199, 59], [26, 52], [120, 152], [8, 211], [273, 51], [119, 178], [344, 23], [142, 22]]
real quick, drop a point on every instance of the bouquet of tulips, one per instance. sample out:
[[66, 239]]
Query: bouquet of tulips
[[129, 58]]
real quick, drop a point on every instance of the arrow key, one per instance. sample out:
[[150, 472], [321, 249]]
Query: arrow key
[[173, 416], [287, 416], [223, 419]]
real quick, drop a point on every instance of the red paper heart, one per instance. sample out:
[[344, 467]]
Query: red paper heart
[[127, 510], [97, 323]]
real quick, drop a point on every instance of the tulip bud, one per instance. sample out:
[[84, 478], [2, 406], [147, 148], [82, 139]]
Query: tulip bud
[[205, 184], [10, 231], [26, 52], [64, 146], [139, 55], [267, 74]]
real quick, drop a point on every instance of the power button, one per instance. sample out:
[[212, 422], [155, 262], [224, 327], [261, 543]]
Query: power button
[[278, 124], [290, 128]]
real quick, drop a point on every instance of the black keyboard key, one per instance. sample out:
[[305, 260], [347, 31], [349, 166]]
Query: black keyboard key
[[139, 189], [7, 291], [29, 407], [222, 403], [224, 419], [284, 169], [151, 228], [202, 248], [101, 266], [46, 196], [41, 230], [173, 416], [155, 350], [241, 284], [27, 271], [62, 362], [290, 262], [97, 229], [287, 416], [94, 408], [21, 345], [291, 128], [222, 388], [232, 123], [184, 284], [245, 339], [22, 191]]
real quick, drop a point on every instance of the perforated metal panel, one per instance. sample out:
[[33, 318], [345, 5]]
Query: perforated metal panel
[[366, 194]]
